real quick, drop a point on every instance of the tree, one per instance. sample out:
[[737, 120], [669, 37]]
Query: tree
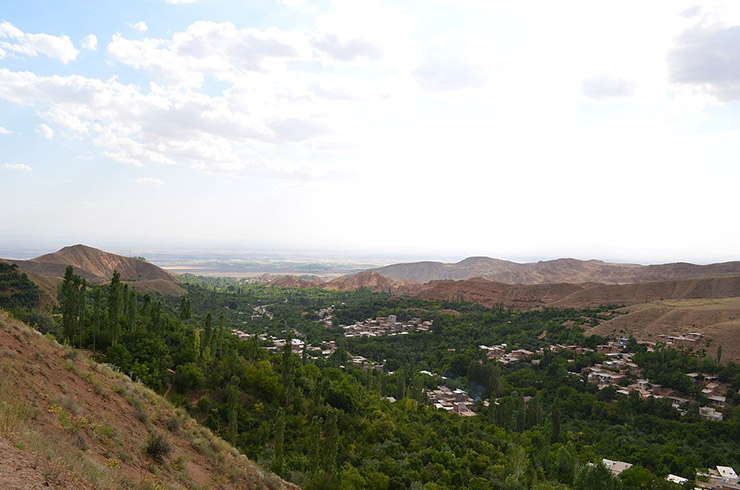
[[185, 309], [97, 316], [719, 353], [596, 476], [555, 416], [314, 445], [518, 463], [114, 306], [131, 310], [331, 442], [278, 459], [72, 303], [232, 403]]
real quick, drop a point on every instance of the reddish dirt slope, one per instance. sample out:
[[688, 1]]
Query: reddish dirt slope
[[66, 422], [97, 266], [551, 271], [630, 294], [371, 280], [490, 293], [717, 319]]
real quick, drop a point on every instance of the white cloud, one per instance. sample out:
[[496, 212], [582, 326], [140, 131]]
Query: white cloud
[[148, 181], [444, 71], [139, 26], [16, 166], [90, 42], [607, 86], [5, 131], [59, 47], [45, 131], [347, 49], [707, 56], [209, 48]]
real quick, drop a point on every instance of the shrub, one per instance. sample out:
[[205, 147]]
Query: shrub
[[158, 448], [172, 424]]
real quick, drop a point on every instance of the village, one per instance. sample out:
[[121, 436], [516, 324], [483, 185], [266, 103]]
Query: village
[[388, 325], [717, 478], [626, 376]]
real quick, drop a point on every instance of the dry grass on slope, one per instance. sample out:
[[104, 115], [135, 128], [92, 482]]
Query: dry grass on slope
[[717, 319], [67, 422]]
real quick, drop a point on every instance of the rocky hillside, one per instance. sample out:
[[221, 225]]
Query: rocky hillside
[[371, 280], [717, 319], [565, 295], [97, 266], [67, 422], [551, 271]]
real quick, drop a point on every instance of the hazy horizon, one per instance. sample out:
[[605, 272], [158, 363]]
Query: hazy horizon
[[408, 130], [177, 255]]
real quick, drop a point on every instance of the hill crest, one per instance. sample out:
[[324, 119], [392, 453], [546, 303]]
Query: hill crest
[[563, 270], [97, 266]]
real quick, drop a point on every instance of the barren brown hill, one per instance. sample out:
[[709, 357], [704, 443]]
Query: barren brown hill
[[371, 280], [490, 293], [565, 295], [551, 271], [295, 282], [644, 292], [67, 422], [97, 266], [717, 319]]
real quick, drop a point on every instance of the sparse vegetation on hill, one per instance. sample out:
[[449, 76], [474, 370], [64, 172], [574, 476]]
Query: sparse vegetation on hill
[[68, 422], [97, 266], [551, 271]]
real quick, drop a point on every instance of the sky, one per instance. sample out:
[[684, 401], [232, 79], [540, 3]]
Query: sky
[[436, 128]]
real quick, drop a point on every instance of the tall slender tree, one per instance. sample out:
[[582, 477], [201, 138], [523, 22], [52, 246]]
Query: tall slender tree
[[114, 306]]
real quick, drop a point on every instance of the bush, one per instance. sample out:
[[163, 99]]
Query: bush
[[158, 448], [39, 320]]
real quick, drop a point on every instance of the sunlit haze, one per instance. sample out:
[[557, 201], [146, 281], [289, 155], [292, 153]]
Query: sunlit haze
[[433, 129]]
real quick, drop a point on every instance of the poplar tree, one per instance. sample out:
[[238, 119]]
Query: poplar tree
[[114, 306], [331, 442], [184, 309], [232, 406], [314, 448], [131, 310], [278, 459], [97, 316]]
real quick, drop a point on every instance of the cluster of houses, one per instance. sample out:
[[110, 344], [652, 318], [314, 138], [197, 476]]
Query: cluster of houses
[[385, 325], [498, 353], [296, 345], [719, 478], [260, 312], [619, 368], [325, 316], [453, 401]]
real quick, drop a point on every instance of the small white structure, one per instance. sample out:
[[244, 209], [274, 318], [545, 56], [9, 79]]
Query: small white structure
[[676, 479], [728, 474], [616, 467]]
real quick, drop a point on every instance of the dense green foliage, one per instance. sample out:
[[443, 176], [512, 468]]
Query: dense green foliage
[[16, 289], [323, 423]]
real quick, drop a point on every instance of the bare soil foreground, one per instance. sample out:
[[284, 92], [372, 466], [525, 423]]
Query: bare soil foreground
[[67, 422]]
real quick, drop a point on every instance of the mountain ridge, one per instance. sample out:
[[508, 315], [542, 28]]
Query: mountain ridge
[[550, 271], [96, 266]]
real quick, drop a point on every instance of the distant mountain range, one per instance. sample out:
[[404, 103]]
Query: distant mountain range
[[562, 283], [97, 266], [551, 271]]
